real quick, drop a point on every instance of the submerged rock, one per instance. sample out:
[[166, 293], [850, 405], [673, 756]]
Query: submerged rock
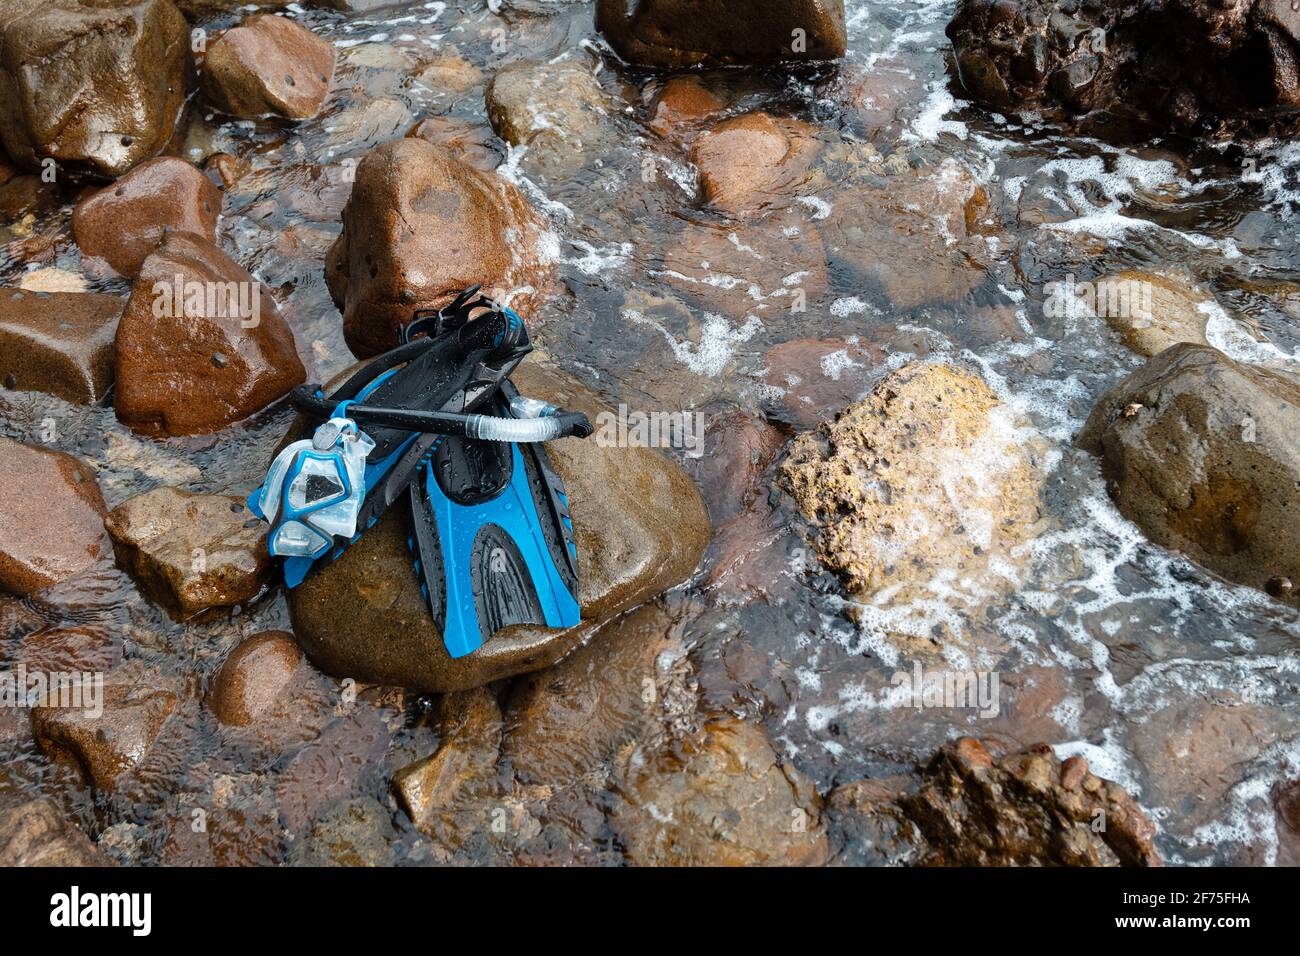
[[51, 518], [721, 797], [1152, 312], [682, 105], [60, 343], [1203, 453], [357, 832], [124, 223], [254, 678], [641, 529], [101, 85], [202, 344], [468, 141], [37, 833], [421, 226], [751, 164], [670, 33], [268, 65], [191, 552]]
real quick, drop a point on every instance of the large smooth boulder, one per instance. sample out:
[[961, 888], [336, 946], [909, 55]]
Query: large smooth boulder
[[641, 529], [60, 343], [672, 33], [51, 518], [1203, 453], [94, 84], [421, 226], [124, 223], [268, 65], [201, 345]]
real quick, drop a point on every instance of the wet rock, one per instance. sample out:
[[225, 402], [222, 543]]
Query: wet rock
[[752, 163], [75, 649], [201, 344], [59, 343], [682, 105], [671, 33], [738, 448], [469, 142], [236, 828], [419, 227], [133, 706], [1025, 809], [51, 280], [812, 379], [1152, 312], [224, 169], [24, 196], [718, 798], [868, 827], [139, 56], [353, 833], [876, 98], [558, 110], [929, 475], [569, 720], [367, 124], [450, 73], [641, 528], [254, 678], [37, 833], [191, 552], [346, 760], [1203, 453], [7, 170], [444, 794], [124, 223], [51, 518], [268, 65]]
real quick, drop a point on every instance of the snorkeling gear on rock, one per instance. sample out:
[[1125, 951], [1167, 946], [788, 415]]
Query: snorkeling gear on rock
[[436, 421]]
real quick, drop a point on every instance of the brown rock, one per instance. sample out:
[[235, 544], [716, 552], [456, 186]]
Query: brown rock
[[450, 72], [51, 518], [225, 169], [24, 196], [134, 703], [268, 64], [641, 528], [469, 142], [738, 448], [815, 378], [124, 223], [7, 170], [683, 104], [206, 364], [751, 164], [1151, 312], [356, 832], [77, 649], [345, 760], [1203, 453], [719, 798], [36, 833], [671, 33], [420, 227], [191, 552], [253, 679], [59, 343], [138, 54]]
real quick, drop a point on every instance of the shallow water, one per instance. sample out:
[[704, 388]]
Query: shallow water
[[1132, 642]]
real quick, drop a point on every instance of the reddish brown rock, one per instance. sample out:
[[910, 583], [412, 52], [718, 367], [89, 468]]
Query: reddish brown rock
[[253, 679], [78, 649], [188, 367], [51, 518], [470, 142], [191, 552], [101, 84], [124, 223], [684, 103], [738, 448], [59, 343], [815, 378], [224, 169], [266, 65], [751, 164], [7, 170], [37, 833], [419, 227]]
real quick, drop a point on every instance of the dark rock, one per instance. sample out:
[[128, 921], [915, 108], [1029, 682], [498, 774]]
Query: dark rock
[[813, 379], [51, 518], [672, 33], [344, 761], [268, 65], [124, 223], [138, 54], [67, 650], [191, 552], [36, 833], [167, 381], [419, 227], [60, 343], [738, 448], [1203, 453]]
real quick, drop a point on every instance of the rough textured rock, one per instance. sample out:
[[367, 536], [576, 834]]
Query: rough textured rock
[[191, 552], [135, 703], [51, 518], [1171, 64], [36, 833], [1026, 809], [641, 528], [421, 226], [929, 474], [60, 343], [1203, 453], [669, 33], [444, 794], [1151, 312], [124, 223], [558, 110], [253, 679], [356, 832], [196, 361], [721, 797], [139, 56], [752, 163], [268, 65]]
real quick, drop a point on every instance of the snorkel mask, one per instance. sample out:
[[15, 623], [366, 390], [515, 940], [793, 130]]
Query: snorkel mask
[[314, 490]]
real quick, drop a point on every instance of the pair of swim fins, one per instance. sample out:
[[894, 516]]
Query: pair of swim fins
[[437, 425]]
